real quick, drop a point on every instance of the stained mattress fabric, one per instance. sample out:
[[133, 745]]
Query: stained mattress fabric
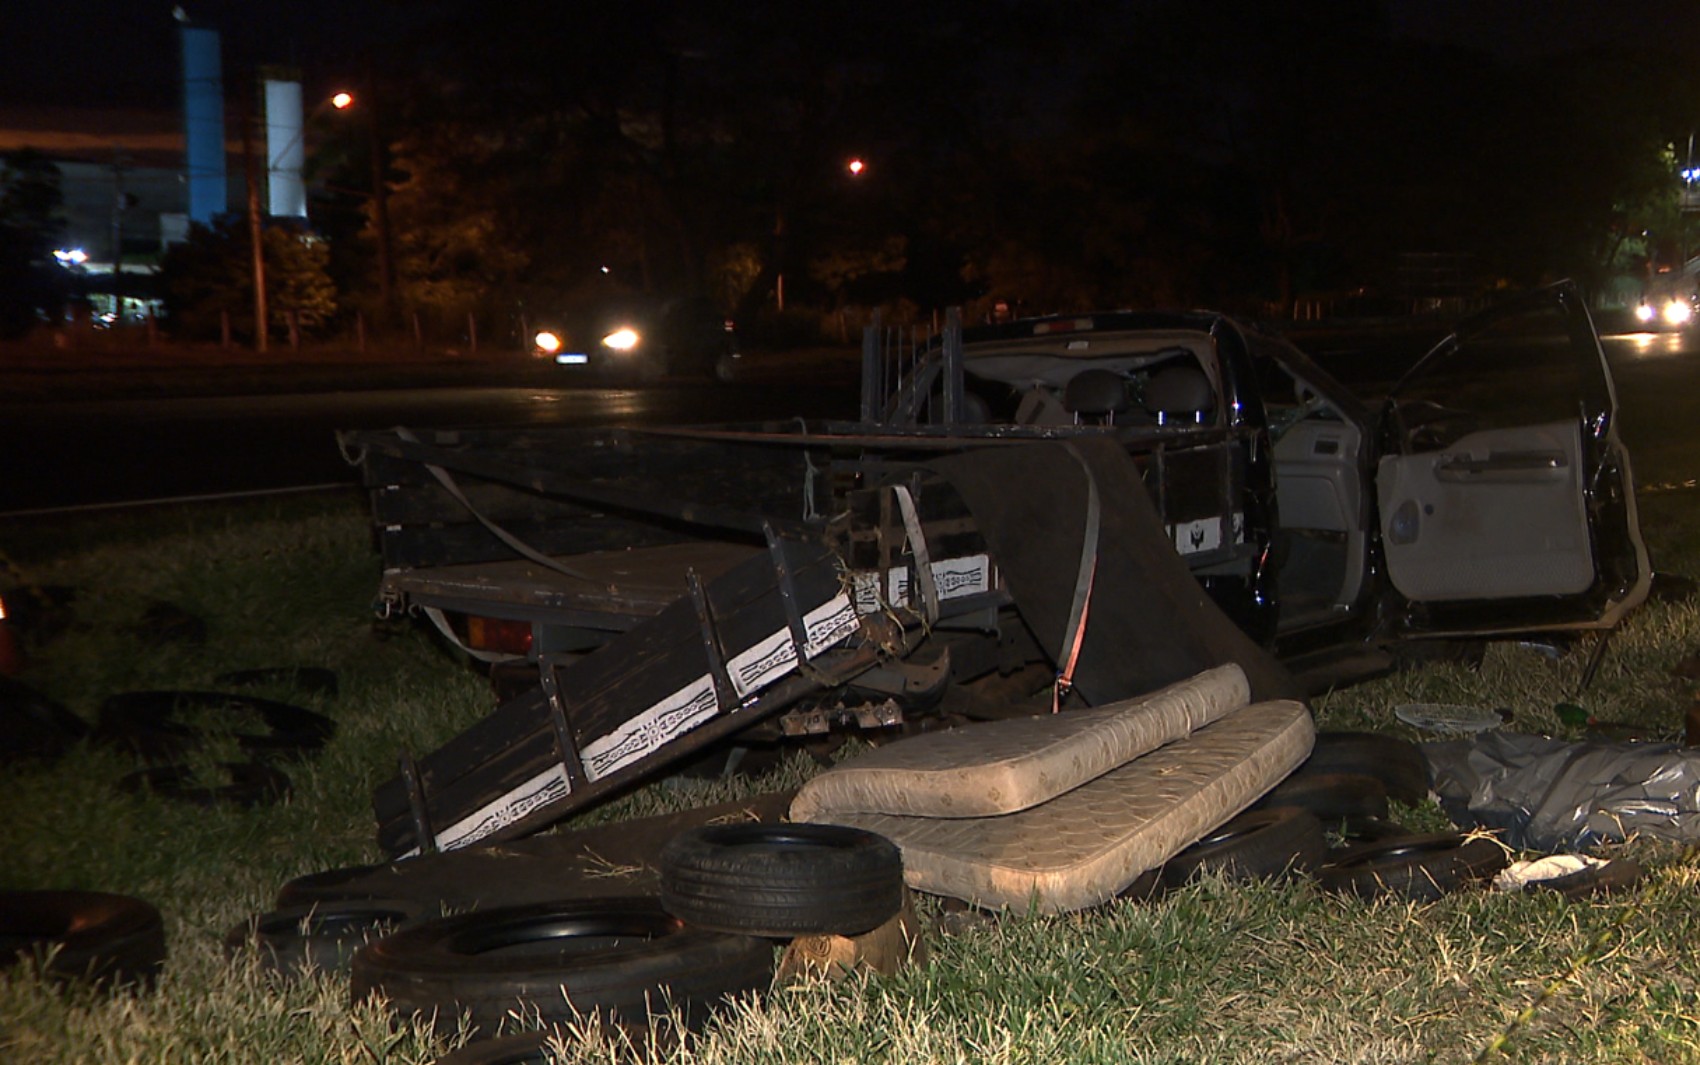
[[1081, 848], [1150, 624], [1000, 767]]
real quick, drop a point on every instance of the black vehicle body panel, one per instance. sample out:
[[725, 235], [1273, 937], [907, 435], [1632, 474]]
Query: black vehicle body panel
[[1270, 491]]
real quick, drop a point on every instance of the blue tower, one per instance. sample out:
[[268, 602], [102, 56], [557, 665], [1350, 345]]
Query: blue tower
[[203, 122]]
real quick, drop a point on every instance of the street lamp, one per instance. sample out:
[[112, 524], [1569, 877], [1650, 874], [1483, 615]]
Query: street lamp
[[379, 192], [855, 166]]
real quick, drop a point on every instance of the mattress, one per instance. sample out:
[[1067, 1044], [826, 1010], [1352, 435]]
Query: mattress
[[1084, 846], [1000, 767]]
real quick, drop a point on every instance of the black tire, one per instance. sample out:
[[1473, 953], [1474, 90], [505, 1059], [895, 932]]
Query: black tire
[[322, 937], [329, 885], [1256, 845], [165, 623], [1397, 763], [33, 725], [1332, 797], [616, 958], [1422, 867], [315, 680], [1146, 887], [142, 722], [251, 784], [1368, 830], [521, 1048], [110, 940], [782, 880]]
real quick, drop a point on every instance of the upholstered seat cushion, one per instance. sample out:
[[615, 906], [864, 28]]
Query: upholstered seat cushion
[[1079, 849], [999, 767]]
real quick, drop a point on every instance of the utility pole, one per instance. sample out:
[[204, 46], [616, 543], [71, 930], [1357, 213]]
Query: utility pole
[[118, 205], [255, 230], [380, 206]]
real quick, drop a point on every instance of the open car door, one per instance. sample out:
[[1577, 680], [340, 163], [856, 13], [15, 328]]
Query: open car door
[[1505, 497]]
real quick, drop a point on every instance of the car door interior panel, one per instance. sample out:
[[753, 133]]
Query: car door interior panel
[[1497, 514]]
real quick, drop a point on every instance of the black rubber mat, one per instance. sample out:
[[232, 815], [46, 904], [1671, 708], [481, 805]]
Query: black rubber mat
[[1149, 623]]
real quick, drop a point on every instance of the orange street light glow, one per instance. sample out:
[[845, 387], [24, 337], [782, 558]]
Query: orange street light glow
[[856, 167], [342, 101]]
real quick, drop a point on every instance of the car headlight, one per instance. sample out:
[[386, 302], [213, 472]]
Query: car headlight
[[1677, 312], [624, 338], [548, 343], [1645, 312]]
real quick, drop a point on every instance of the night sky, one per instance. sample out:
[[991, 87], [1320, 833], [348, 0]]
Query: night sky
[[110, 52], [124, 52]]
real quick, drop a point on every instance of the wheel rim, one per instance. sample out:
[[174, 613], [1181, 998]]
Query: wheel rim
[[587, 932]]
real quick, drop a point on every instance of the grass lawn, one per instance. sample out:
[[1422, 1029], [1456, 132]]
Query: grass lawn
[[1217, 972]]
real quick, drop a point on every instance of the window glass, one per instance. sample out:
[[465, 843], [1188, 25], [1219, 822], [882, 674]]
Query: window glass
[[1519, 370]]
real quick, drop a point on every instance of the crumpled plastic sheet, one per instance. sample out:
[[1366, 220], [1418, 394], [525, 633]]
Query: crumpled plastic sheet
[[1555, 795]]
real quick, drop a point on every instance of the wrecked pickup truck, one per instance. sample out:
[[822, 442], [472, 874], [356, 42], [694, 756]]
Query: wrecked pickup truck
[[1039, 514]]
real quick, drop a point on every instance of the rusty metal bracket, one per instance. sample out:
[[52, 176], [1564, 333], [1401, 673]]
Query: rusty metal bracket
[[724, 694], [787, 593], [1596, 657], [921, 582], [818, 721], [416, 809], [566, 748]]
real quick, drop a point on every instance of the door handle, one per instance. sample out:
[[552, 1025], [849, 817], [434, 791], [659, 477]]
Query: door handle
[[1504, 466]]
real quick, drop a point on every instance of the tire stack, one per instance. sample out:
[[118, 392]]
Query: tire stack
[[729, 894], [1348, 782], [106, 940], [781, 881], [320, 936], [147, 723], [34, 726]]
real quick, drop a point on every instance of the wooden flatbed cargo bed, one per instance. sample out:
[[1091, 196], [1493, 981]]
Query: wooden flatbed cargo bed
[[618, 587]]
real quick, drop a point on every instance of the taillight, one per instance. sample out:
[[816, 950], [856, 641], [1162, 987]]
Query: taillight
[[11, 658], [503, 635], [1062, 325]]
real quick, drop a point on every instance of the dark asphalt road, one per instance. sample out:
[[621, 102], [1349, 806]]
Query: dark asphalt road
[[79, 439], [98, 438]]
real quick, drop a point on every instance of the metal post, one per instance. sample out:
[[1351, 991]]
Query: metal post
[[566, 746], [255, 234], [873, 397], [787, 594], [951, 350], [381, 208], [418, 806], [724, 693], [118, 205]]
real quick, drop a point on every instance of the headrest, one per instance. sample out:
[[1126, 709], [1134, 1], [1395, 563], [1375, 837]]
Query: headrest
[[1096, 392], [1179, 390]]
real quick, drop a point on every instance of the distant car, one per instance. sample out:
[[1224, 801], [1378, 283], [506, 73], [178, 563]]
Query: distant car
[[1668, 311], [643, 338]]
